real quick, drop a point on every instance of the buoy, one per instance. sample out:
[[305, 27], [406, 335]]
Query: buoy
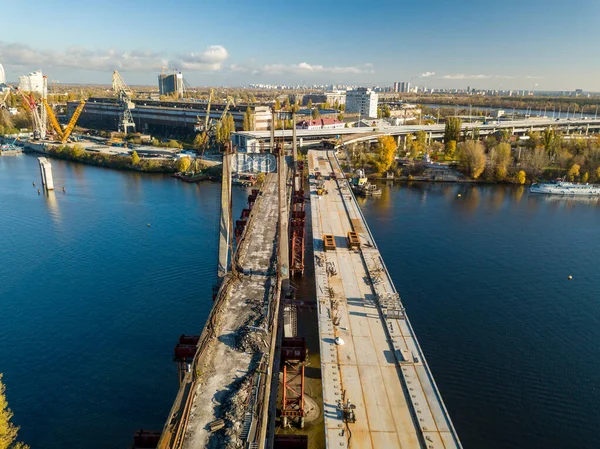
[[570, 277], [39, 192], [148, 224], [64, 190], [339, 341], [33, 184], [458, 194]]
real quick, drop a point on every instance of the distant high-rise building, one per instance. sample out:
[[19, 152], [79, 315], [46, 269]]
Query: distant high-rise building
[[34, 82], [404, 87], [362, 100], [2, 75], [169, 84], [396, 84]]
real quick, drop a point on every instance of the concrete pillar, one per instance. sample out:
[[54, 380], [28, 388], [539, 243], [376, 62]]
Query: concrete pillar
[[46, 172], [225, 222], [587, 129], [398, 140], [301, 142]]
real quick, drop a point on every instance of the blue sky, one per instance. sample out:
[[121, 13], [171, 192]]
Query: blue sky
[[503, 44]]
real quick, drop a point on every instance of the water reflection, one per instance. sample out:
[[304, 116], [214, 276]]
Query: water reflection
[[53, 208]]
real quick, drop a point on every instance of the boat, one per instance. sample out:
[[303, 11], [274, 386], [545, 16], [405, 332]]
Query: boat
[[10, 149], [560, 187], [366, 189]]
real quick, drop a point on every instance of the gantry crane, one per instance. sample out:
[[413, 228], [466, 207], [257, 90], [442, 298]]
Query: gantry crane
[[124, 94], [64, 135]]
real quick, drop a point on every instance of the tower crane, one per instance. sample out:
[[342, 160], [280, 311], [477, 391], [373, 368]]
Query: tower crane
[[124, 94]]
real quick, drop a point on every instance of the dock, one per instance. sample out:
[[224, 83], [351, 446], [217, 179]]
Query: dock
[[378, 391]]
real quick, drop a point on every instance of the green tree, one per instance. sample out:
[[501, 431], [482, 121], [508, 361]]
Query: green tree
[[8, 431], [340, 117], [452, 129], [315, 113], [471, 155], [309, 105], [548, 138], [574, 171], [135, 159], [387, 111]]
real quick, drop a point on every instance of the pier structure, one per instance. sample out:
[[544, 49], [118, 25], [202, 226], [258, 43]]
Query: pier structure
[[46, 172], [378, 391]]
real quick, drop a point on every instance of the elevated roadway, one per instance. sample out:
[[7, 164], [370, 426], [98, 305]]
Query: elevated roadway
[[256, 141], [371, 362]]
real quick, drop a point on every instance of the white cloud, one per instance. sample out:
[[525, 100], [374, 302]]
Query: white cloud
[[426, 74], [23, 56], [462, 76], [301, 68], [530, 77]]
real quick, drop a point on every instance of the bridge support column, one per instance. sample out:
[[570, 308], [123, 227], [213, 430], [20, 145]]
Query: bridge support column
[[587, 129], [429, 137], [301, 142], [46, 172], [398, 140], [225, 222]]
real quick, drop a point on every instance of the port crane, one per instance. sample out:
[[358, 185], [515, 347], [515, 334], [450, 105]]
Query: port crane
[[64, 135], [39, 125], [124, 94]]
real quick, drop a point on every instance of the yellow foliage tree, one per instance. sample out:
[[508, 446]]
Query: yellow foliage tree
[[387, 151], [521, 177], [450, 149], [8, 431], [183, 164], [472, 158], [574, 172], [585, 177], [135, 159]]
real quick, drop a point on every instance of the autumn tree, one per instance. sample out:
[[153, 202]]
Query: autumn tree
[[471, 155], [277, 104], [585, 177], [535, 161], [248, 123], [315, 113], [8, 431], [183, 164], [500, 159], [450, 150], [135, 159], [386, 149], [521, 177], [574, 172]]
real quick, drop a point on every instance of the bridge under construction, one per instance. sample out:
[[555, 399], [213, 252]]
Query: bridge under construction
[[242, 381]]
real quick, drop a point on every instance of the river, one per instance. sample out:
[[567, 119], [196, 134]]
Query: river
[[92, 301]]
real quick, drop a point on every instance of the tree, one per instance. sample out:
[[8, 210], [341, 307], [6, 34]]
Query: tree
[[315, 113], [573, 172], [452, 129], [340, 117], [199, 140], [535, 161], [183, 164], [585, 177], [386, 148], [8, 431], [548, 138], [277, 104], [135, 159], [500, 158], [450, 149], [521, 177], [309, 105], [471, 155]]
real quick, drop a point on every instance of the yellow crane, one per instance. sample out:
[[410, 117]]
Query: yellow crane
[[64, 135]]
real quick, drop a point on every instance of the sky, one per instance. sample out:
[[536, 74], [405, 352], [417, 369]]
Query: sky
[[508, 44]]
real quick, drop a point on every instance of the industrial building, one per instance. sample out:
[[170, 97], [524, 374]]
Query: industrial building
[[165, 118], [34, 82], [170, 84], [320, 123], [362, 100]]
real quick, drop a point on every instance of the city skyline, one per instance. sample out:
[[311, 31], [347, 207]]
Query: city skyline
[[528, 44]]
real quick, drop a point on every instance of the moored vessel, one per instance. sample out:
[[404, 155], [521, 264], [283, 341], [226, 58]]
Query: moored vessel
[[561, 187]]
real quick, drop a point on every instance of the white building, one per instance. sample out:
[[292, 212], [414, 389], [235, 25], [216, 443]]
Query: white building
[[34, 82], [2, 75], [362, 100]]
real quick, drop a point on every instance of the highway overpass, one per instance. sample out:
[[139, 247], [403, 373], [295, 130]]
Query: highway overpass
[[258, 141]]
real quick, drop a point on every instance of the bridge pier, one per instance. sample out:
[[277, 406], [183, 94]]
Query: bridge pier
[[46, 172]]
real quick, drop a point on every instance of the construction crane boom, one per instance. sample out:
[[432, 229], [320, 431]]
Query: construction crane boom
[[4, 98], [53, 120], [71, 126], [32, 107]]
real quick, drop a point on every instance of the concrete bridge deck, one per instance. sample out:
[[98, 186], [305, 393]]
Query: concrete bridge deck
[[226, 379], [380, 366]]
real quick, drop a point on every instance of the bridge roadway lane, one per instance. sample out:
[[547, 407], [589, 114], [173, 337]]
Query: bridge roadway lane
[[230, 358], [380, 367]]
